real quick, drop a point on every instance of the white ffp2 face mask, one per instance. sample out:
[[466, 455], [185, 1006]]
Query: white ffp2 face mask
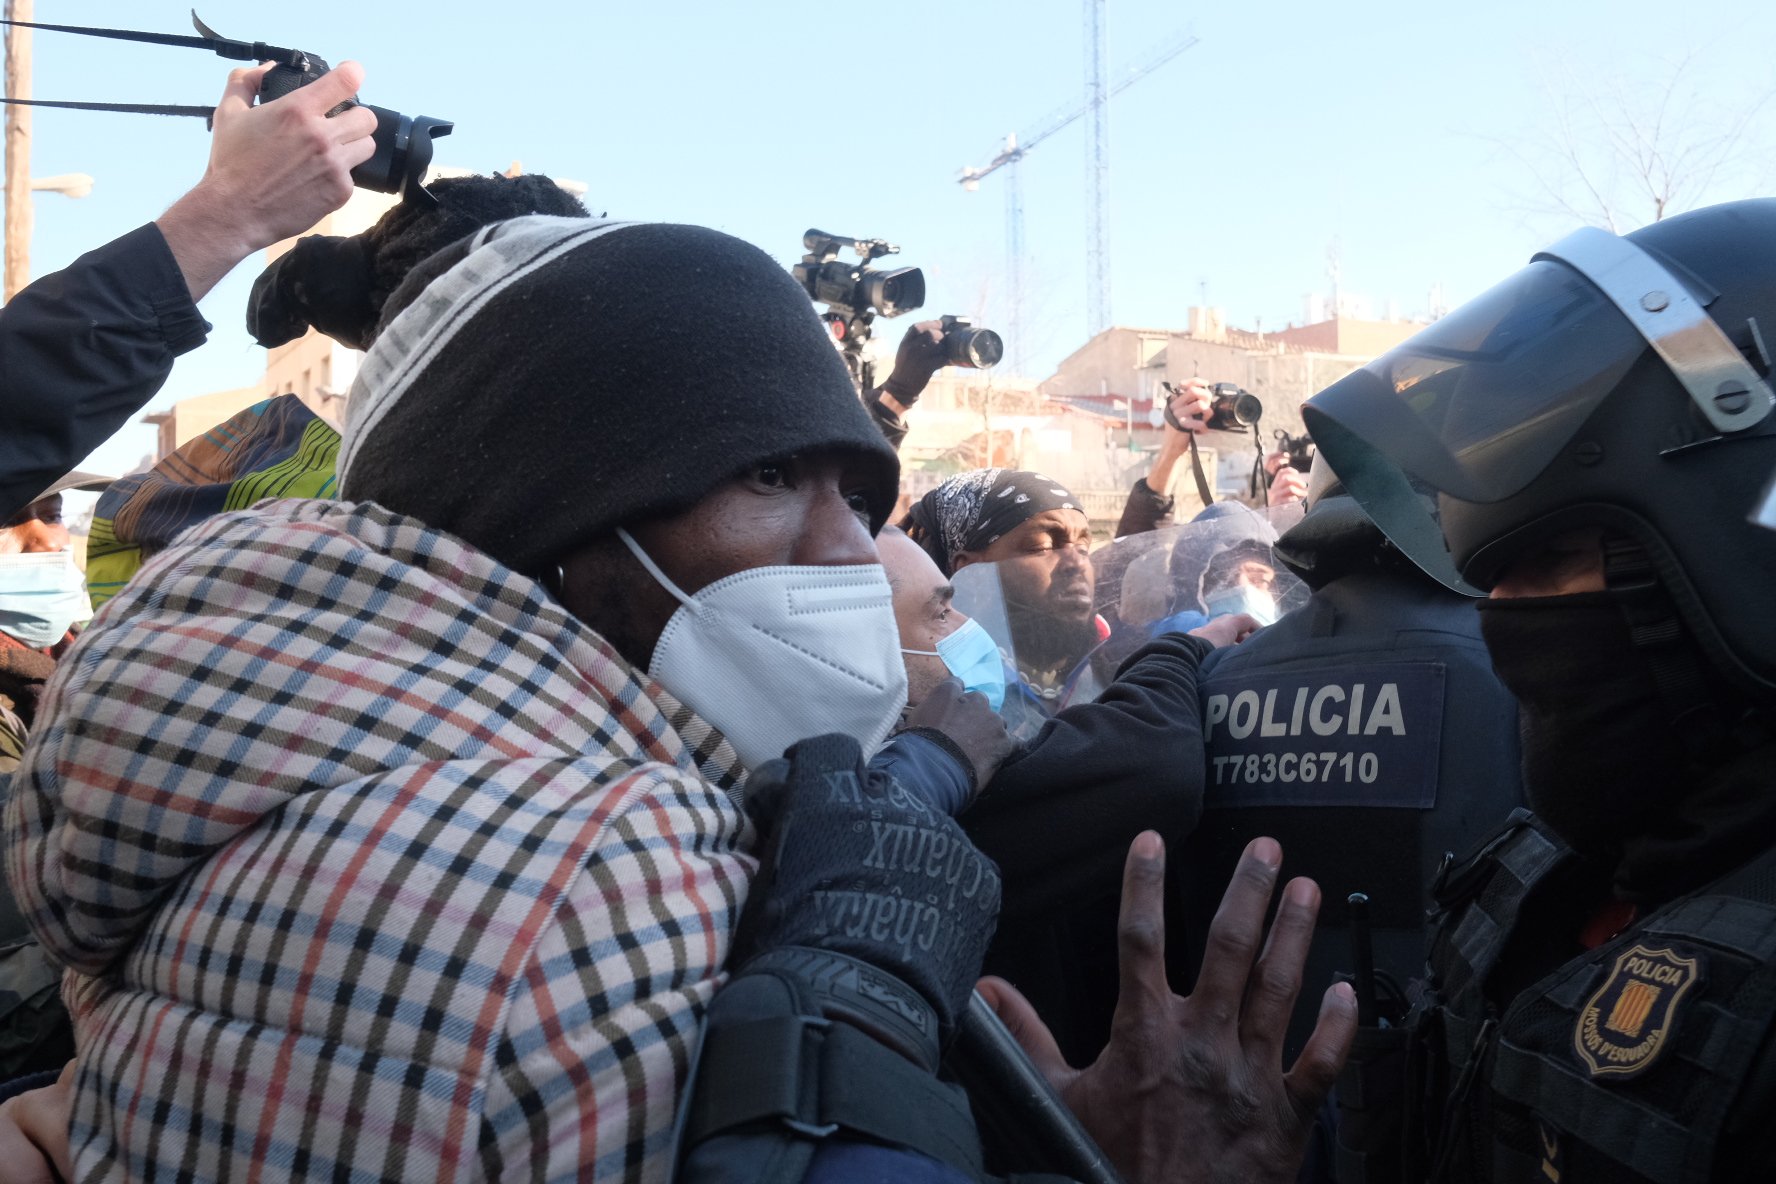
[[774, 655]]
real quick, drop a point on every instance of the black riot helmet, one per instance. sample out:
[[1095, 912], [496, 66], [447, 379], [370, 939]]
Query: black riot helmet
[[1620, 382]]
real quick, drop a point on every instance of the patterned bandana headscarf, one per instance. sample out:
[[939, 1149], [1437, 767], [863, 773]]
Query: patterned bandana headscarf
[[976, 509]]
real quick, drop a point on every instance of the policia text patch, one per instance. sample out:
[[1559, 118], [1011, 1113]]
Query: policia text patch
[[1365, 735]]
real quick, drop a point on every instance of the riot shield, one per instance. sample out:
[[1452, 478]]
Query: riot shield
[[1064, 622], [1182, 576]]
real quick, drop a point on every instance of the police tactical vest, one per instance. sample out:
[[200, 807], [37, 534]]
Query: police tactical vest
[[1624, 1064]]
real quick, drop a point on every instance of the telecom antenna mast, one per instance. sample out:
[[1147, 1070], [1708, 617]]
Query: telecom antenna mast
[[1097, 173], [1009, 157]]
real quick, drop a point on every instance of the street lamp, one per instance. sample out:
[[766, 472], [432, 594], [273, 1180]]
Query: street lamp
[[66, 184]]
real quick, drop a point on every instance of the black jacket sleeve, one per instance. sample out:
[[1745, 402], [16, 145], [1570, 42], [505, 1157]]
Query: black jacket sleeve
[[1143, 510], [892, 426], [84, 349], [1058, 818]]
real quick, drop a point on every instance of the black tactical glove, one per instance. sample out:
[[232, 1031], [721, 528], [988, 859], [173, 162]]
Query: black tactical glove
[[324, 281], [859, 864], [921, 354]]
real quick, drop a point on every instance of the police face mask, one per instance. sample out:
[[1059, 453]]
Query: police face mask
[[1242, 598], [42, 595], [774, 655], [1602, 760], [970, 654]]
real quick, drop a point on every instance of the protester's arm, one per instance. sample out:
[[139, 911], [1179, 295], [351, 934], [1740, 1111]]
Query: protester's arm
[[82, 350], [1193, 1089], [921, 354], [953, 740], [1058, 815], [861, 942]]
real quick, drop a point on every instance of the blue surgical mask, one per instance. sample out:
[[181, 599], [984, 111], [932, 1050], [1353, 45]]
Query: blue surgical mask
[[42, 594], [1242, 598], [971, 655]]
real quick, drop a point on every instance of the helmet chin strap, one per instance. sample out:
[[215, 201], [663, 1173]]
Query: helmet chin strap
[[1712, 729]]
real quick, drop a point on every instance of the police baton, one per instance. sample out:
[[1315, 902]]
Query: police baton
[[1014, 1101]]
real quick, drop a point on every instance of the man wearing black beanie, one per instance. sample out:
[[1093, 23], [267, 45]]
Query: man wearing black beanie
[[498, 865]]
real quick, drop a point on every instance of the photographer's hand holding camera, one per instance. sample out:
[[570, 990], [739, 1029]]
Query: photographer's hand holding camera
[[1287, 484], [921, 354], [274, 170], [1148, 502]]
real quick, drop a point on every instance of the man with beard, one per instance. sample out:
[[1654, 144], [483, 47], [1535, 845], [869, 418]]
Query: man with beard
[[1035, 532], [1602, 1001]]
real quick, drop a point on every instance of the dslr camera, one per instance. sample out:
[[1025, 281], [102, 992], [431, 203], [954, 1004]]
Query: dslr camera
[[1300, 450], [970, 347], [1231, 409]]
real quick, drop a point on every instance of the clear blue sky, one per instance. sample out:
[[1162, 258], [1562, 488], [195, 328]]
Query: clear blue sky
[[1396, 129]]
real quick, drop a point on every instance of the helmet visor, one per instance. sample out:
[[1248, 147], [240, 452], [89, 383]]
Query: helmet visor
[[1481, 401]]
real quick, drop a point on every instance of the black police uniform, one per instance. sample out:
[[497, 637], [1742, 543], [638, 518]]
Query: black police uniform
[[1608, 410], [1367, 733], [1648, 1058]]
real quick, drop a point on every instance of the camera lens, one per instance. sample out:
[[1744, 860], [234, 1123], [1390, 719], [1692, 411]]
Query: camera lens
[[976, 349], [891, 293], [1247, 410]]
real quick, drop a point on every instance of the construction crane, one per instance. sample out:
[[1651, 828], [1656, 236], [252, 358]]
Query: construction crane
[[1097, 179]]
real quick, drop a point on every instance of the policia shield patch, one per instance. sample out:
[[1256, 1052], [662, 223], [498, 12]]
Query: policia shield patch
[[1628, 1021]]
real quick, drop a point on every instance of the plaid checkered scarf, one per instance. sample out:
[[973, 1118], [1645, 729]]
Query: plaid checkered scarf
[[370, 863]]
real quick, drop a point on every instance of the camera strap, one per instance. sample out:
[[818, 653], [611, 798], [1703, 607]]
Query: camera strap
[[242, 51], [195, 112], [1196, 470]]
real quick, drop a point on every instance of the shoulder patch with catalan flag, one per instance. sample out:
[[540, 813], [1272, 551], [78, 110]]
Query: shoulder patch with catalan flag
[[1628, 1021]]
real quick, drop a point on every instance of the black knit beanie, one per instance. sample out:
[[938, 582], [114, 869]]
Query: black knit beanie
[[562, 377]]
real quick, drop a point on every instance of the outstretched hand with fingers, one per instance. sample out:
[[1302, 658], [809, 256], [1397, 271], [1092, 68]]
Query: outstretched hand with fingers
[[1193, 1089]]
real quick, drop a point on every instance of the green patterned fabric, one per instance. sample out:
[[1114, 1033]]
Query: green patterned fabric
[[278, 448]]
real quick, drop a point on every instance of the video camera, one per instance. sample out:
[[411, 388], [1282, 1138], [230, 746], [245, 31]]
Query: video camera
[[403, 142], [1300, 449], [857, 289], [855, 294]]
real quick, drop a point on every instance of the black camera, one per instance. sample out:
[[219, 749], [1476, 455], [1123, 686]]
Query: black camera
[[969, 347], [1300, 450], [857, 288], [1232, 409], [403, 142]]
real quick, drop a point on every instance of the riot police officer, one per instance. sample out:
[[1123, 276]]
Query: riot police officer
[[1365, 728], [1602, 1000]]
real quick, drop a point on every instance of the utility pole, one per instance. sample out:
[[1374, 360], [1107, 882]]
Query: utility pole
[[18, 151]]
